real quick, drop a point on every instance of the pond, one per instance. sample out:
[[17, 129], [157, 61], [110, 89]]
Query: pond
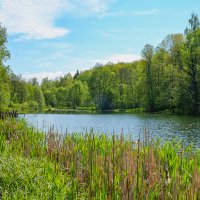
[[164, 127]]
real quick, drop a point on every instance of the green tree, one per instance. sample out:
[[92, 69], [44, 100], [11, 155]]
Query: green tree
[[19, 91], [192, 61], [61, 96], [34, 81], [38, 97], [4, 78], [4, 87], [147, 54], [178, 100], [66, 80], [102, 87], [77, 94], [50, 98], [76, 75]]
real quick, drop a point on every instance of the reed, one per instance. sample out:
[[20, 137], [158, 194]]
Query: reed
[[37, 165]]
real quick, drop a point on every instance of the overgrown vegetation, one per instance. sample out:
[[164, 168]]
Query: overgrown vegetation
[[167, 78], [34, 165]]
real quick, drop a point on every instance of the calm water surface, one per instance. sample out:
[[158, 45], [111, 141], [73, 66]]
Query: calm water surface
[[162, 126]]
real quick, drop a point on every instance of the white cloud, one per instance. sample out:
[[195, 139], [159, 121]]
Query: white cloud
[[124, 13], [41, 75], [126, 58], [88, 7], [35, 19], [32, 18]]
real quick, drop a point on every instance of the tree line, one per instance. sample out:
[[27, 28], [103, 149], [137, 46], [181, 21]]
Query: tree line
[[167, 77]]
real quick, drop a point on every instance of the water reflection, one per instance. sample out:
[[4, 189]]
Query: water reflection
[[162, 126]]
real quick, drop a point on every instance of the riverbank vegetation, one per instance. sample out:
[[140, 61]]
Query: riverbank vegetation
[[166, 78], [34, 165]]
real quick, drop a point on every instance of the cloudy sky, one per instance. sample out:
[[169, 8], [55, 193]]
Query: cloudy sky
[[53, 37]]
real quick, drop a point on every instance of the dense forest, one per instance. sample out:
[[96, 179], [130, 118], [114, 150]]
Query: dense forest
[[166, 78]]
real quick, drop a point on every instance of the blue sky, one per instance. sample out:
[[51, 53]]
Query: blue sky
[[53, 37]]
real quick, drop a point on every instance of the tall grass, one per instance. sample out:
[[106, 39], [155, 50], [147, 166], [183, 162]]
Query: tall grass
[[34, 165]]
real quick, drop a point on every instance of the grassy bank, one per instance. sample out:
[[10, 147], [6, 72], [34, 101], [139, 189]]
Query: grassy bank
[[34, 165]]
